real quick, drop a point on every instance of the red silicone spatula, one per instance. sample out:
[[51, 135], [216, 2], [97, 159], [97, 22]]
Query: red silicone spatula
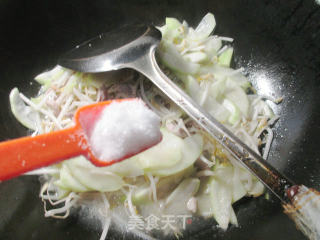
[[24, 154]]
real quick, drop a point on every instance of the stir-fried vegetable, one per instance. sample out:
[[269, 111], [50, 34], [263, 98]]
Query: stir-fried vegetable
[[188, 172]]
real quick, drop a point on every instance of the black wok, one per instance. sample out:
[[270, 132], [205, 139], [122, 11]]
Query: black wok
[[278, 42]]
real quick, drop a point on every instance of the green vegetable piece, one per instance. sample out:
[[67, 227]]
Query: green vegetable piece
[[196, 57], [36, 100], [233, 109], [257, 188], [68, 182], [217, 194], [95, 80], [203, 197], [204, 29], [164, 155], [71, 84], [231, 176], [191, 150], [167, 184], [127, 168], [171, 30], [225, 58], [192, 87], [95, 178], [221, 197], [176, 202], [217, 89], [46, 78], [238, 80], [23, 113], [141, 196], [170, 56], [212, 46], [237, 96], [172, 23]]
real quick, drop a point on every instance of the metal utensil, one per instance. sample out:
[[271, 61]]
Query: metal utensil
[[134, 47]]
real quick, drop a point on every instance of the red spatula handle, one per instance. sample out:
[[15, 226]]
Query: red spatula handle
[[24, 154]]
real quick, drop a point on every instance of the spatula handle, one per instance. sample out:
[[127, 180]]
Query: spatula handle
[[24, 154]]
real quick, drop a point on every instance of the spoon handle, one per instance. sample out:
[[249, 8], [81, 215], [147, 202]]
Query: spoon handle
[[300, 203], [304, 210], [27, 153], [271, 178]]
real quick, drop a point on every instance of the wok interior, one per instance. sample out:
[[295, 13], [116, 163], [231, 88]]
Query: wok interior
[[276, 42]]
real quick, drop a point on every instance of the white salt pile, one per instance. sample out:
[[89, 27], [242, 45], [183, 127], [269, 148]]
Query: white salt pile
[[124, 128]]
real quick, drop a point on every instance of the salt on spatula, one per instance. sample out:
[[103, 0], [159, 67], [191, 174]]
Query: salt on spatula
[[105, 132]]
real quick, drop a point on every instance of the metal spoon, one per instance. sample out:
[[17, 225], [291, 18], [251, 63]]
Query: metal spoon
[[134, 46]]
